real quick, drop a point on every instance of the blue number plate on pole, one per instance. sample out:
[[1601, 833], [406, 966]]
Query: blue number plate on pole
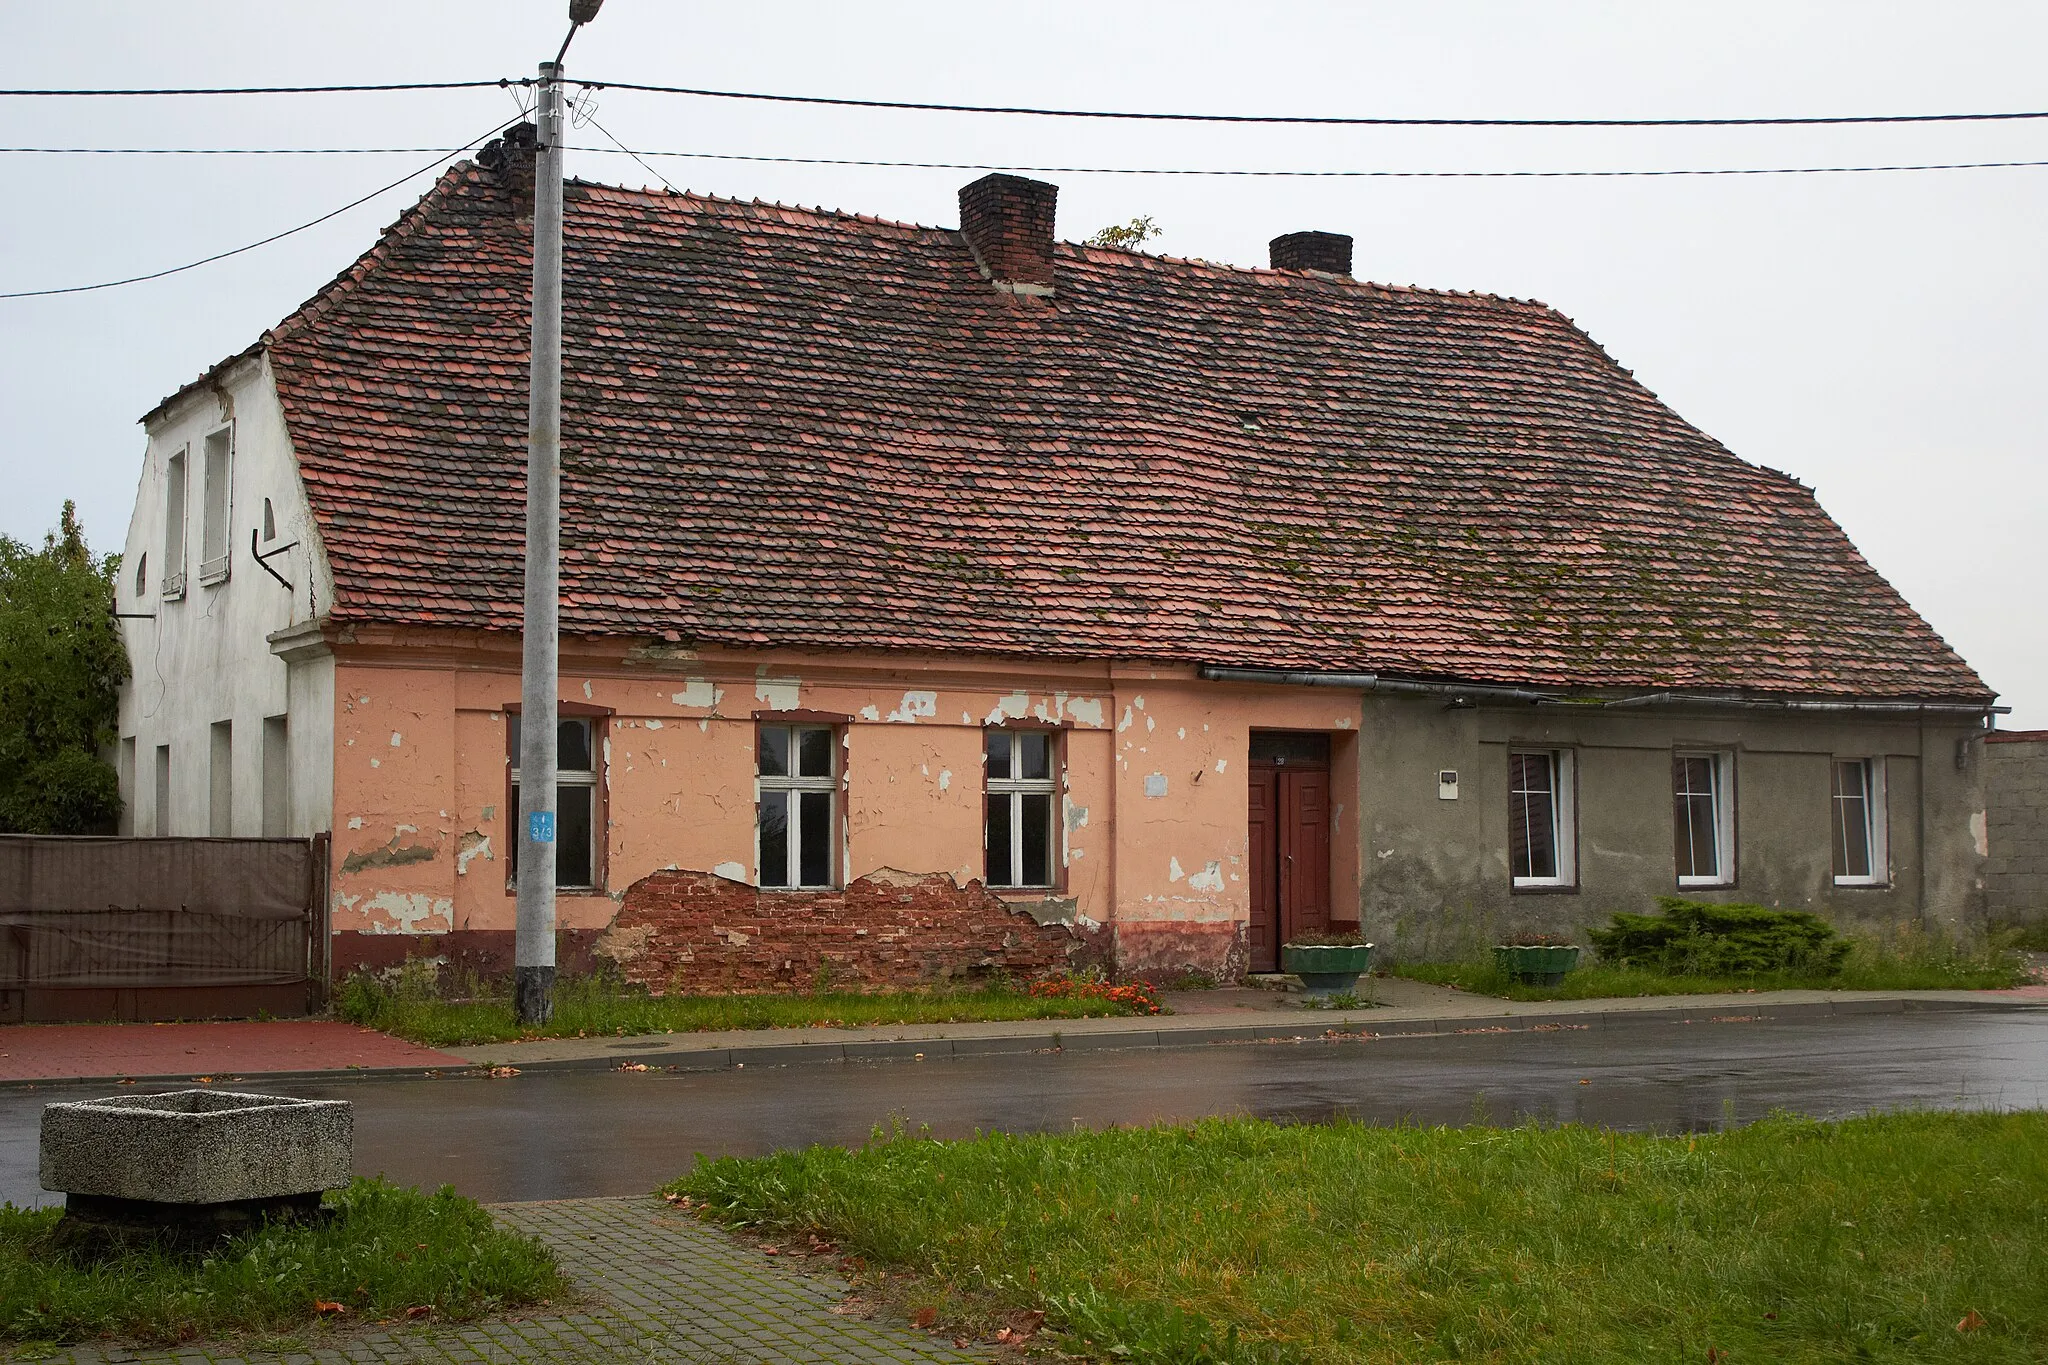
[[540, 826]]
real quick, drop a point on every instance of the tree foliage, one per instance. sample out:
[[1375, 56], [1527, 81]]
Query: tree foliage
[[61, 669], [1129, 236]]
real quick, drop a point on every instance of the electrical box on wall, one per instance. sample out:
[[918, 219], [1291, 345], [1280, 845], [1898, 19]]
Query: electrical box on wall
[[1447, 785]]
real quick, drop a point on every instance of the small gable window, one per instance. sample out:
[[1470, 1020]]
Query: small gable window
[[269, 522], [142, 573], [174, 526], [214, 559]]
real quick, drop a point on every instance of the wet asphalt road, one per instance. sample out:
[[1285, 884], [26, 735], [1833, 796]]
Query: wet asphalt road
[[566, 1134]]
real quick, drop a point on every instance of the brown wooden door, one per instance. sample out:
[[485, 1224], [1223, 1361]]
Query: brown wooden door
[[1264, 859], [1304, 851], [1288, 842]]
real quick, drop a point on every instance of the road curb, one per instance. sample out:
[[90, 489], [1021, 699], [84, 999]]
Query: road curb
[[1344, 1027]]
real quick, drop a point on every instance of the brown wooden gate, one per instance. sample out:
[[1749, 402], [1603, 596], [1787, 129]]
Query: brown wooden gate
[[1288, 827], [127, 929]]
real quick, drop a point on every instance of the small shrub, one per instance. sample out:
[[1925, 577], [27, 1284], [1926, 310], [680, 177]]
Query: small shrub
[[1702, 938]]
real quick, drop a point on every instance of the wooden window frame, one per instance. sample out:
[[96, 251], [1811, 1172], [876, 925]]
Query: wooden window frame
[[797, 722], [1013, 787], [219, 568], [178, 479], [600, 805]]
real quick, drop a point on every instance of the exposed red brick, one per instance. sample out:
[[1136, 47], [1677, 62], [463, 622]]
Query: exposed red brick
[[695, 931], [1008, 220]]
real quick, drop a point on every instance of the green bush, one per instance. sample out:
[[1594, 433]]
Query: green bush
[[1702, 938], [62, 664], [71, 792]]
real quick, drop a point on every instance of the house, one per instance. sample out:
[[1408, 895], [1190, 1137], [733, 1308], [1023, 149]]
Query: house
[[938, 601]]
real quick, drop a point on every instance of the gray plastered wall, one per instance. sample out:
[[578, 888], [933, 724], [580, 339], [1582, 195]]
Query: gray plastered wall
[[2016, 805], [1436, 881]]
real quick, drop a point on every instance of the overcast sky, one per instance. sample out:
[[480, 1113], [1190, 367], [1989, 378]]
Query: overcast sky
[[1882, 337]]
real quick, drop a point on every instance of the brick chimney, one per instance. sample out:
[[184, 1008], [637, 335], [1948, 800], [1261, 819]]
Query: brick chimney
[[510, 158], [1329, 252], [1007, 221]]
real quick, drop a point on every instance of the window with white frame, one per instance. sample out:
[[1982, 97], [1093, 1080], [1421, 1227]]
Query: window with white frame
[[214, 543], [1703, 818], [1859, 824], [1022, 780], [577, 805], [1541, 801], [797, 788], [174, 526]]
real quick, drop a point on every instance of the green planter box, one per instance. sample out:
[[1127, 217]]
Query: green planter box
[[1536, 966], [1328, 970]]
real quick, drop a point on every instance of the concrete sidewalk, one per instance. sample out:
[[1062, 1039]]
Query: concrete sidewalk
[[55, 1052], [46, 1053]]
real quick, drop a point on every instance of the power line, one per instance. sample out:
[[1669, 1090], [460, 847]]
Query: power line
[[228, 151], [621, 149], [591, 119], [927, 106], [502, 81], [1371, 121], [273, 237], [1322, 175]]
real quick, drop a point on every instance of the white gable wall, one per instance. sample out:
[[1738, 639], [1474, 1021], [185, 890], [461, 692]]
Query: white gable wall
[[207, 657]]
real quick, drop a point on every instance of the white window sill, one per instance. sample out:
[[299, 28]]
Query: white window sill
[[1705, 883], [1544, 884], [214, 571], [1866, 883], [174, 588]]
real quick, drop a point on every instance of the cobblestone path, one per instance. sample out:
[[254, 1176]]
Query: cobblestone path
[[666, 1287]]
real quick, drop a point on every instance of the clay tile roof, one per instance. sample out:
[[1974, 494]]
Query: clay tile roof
[[786, 427]]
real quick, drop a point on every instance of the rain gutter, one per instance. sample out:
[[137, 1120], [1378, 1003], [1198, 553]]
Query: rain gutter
[[1373, 682]]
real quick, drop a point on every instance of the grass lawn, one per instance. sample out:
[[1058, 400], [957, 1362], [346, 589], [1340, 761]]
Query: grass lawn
[[388, 1253], [585, 1006], [1242, 1240], [1868, 968]]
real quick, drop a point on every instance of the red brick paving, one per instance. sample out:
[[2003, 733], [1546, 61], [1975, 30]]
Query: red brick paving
[[36, 1052]]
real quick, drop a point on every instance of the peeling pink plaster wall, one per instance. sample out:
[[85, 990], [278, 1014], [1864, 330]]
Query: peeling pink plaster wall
[[914, 799], [394, 789], [1166, 867], [1182, 808]]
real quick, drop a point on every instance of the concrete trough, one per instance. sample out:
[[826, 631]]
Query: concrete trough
[[192, 1165]]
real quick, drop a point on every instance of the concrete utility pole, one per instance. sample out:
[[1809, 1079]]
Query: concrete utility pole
[[533, 955]]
